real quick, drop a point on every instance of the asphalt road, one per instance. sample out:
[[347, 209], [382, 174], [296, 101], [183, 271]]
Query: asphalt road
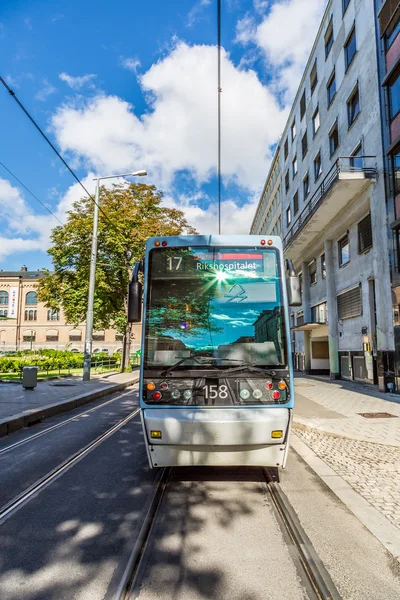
[[216, 536]]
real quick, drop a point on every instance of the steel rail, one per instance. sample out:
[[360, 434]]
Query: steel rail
[[21, 499], [313, 566], [49, 429], [128, 584]]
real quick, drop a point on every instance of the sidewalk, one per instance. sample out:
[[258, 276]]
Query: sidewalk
[[20, 408], [356, 432]]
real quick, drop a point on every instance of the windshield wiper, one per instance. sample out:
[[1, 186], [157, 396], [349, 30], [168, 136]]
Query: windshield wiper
[[205, 360], [246, 366]]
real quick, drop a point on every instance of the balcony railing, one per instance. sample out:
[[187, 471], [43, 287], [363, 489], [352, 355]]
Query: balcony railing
[[342, 165]]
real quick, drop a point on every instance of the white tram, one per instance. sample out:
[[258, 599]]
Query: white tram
[[216, 379]]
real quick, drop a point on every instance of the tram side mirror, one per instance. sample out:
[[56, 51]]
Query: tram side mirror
[[135, 302], [293, 286]]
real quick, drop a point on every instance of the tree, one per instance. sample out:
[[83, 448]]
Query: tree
[[129, 215]]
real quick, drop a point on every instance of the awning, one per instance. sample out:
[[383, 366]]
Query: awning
[[308, 326]]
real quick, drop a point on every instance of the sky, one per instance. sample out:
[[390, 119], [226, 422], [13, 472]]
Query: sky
[[124, 86]]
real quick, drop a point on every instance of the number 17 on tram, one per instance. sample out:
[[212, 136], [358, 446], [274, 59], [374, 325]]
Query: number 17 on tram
[[216, 375]]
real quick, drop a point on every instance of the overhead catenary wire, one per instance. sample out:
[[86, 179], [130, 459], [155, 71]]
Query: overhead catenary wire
[[219, 113], [13, 95], [31, 193]]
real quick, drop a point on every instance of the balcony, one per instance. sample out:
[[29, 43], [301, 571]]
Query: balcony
[[349, 177]]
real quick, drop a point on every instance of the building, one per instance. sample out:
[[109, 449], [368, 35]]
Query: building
[[333, 203], [268, 214], [27, 324], [388, 52]]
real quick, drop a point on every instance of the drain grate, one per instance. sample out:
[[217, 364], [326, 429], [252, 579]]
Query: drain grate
[[63, 384], [378, 415]]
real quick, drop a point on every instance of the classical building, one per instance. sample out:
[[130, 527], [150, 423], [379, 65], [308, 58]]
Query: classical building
[[26, 323], [333, 202], [268, 214]]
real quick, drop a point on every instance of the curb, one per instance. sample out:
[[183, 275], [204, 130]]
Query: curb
[[29, 417], [306, 427]]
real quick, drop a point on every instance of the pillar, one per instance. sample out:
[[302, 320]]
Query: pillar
[[332, 311]]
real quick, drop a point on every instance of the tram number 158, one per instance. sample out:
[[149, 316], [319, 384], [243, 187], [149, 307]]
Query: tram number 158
[[211, 392]]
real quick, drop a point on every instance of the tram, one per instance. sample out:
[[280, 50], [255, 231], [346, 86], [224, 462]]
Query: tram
[[216, 377]]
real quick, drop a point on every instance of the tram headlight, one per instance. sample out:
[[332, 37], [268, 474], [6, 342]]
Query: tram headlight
[[269, 385], [244, 394], [282, 385], [150, 386], [187, 394], [277, 434], [157, 395], [257, 394], [276, 395], [163, 385], [175, 394]]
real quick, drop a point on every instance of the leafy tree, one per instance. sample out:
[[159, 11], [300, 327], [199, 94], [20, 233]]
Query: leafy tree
[[130, 215]]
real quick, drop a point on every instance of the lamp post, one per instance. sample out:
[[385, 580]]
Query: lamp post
[[92, 277]]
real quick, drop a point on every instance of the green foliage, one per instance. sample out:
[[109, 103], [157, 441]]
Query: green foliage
[[47, 360], [134, 214]]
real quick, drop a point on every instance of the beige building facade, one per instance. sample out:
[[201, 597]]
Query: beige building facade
[[26, 323]]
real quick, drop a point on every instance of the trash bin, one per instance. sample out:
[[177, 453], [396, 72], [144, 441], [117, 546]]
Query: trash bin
[[29, 377]]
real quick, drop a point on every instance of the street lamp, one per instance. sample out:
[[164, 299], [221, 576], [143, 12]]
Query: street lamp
[[89, 315]]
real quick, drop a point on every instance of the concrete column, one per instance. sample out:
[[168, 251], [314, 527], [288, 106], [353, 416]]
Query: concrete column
[[332, 311], [306, 292], [307, 351]]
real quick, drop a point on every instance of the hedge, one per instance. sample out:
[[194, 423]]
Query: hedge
[[47, 360]]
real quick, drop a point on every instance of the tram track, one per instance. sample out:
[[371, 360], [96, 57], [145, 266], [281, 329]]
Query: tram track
[[322, 586], [39, 485], [58, 425]]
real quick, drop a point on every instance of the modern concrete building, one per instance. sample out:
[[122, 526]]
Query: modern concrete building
[[334, 219], [268, 214], [26, 323]]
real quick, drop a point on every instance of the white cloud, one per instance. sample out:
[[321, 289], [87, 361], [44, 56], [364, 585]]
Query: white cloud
[[46, 91], [285, 36], [193, 14], [131, 63], [76, 83], [180, 131]]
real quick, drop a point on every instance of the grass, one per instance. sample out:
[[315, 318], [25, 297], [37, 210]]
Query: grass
[[43, 375]]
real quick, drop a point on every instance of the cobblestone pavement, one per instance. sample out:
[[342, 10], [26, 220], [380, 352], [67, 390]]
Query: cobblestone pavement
[[373, 470]]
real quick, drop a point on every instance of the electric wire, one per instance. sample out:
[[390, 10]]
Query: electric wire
[[36, 125], [31, 193], [219, 113]]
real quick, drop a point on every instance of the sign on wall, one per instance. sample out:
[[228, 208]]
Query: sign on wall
[[13, 303]]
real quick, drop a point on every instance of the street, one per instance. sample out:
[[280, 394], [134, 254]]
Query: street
[[216, 534]]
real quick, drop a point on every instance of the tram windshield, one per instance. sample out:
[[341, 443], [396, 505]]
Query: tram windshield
[[222, 303]]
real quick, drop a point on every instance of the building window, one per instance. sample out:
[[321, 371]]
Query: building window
[[293, 129], [365, 234], [333, 139], [319, 313], [52, 335], [313, 77], [3, 297], [328, 38], [306, 186], [315, 121], [312, 269], [119, 337], [29, 336], [353, 107], [303, 105], [294, 166], [31, 298], [3, 313], [345, 5], [323, 266], [304, 145], [396, 173], [295, 204], [394, 96], [350, 48], [98, 336], [349, 304], [391, 33], [75, 335], [300, 318], [287, 181], [344, 250], [288, 216], [331, 88], [31, 315], [53, 315], [286, 148], [356, 162], [317, 166]]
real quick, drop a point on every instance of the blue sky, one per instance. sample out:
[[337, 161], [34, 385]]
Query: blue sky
[[132, 85]]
